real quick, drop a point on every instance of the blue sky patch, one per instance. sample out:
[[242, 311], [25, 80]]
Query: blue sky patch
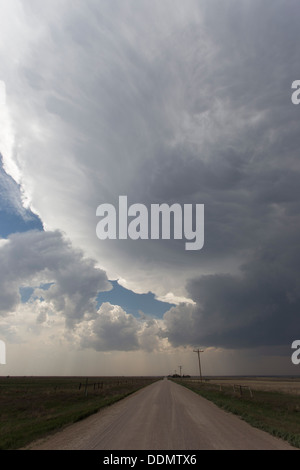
[[13, 223], [13, 216], [132, 302]]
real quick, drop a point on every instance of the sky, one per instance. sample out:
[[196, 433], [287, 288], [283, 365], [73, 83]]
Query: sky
[[165, 102]]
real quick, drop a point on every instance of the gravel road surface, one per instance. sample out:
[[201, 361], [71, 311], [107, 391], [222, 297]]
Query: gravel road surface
[[161, 416]]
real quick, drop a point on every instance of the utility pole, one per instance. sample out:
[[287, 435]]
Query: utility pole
[[198, 351], [180, 367]]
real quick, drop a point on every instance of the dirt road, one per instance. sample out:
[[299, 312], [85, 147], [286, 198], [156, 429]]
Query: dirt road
[[162, 416]]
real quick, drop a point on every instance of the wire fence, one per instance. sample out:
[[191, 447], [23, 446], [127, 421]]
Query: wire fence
[[235, 389]]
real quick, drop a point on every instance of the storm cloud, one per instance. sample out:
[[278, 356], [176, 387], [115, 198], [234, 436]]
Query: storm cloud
[[257, 307], [164, 102]]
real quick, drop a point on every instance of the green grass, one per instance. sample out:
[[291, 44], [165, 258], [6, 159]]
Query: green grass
[[31, 408], [275, 412]]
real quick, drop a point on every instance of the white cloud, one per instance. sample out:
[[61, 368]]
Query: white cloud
[[6, 133], [63, 304], [115, 330], [33, 258], [112, 330]]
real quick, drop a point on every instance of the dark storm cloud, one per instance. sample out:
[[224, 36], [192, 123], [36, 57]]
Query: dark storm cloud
[[259, 307], [258, 211], [234, 144]]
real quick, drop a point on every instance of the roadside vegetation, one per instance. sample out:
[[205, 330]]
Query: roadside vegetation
[[32, 407], [275, 412]]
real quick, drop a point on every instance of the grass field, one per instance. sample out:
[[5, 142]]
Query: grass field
[[289, 385], [31, 407], [270, 404]]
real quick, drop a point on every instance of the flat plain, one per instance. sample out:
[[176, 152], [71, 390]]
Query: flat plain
[[31, 407], [35, 407], [162, 416]]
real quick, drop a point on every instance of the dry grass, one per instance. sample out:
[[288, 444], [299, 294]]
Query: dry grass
[[267, 384], [271, 404]]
